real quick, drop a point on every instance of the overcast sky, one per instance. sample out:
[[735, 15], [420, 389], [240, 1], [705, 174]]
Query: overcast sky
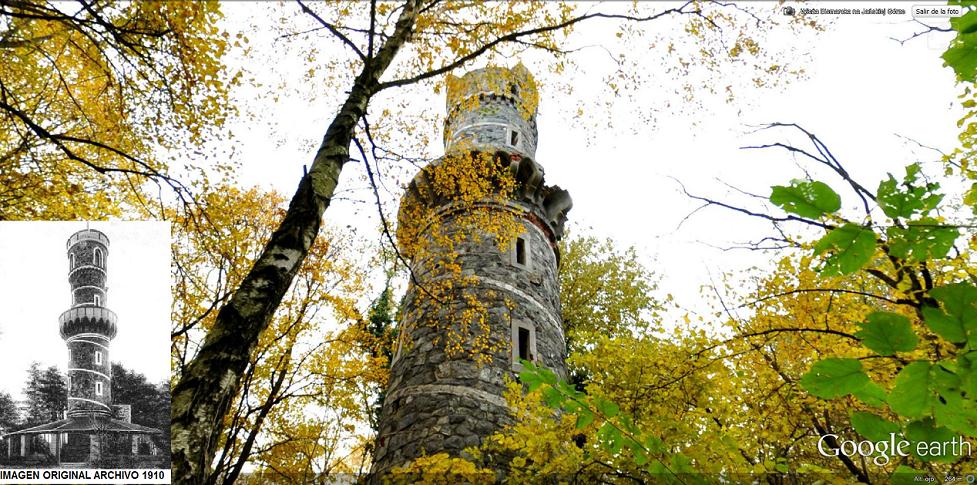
[[34, 291], [863, 94]]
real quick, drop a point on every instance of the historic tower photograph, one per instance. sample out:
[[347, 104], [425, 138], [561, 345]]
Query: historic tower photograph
[[99, 398]]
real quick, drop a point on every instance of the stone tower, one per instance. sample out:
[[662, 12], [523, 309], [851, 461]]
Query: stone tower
[[88, 326], [441, 401]]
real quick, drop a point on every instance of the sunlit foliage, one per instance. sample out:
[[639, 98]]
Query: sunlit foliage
[[92, 97]]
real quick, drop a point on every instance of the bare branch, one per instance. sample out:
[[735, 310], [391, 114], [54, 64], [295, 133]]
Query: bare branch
[[513, 36], [332, 28], [926, 30], [386, 225], [748, 212]]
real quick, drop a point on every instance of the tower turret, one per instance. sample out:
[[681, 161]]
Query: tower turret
[[88, 326], [478, 303], [492, 108]]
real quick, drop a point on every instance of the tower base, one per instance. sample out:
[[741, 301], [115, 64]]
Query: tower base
[[89, 442]]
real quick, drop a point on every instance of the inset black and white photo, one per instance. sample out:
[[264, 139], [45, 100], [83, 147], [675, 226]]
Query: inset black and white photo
[[84, 342]]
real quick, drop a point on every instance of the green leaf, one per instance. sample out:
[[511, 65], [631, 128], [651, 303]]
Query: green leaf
[[552, 397], [966, 23], [921, 240], [573, 407], [873, 427], [911, 396], [611, 437], [872, 394], [547, 376], [640, 458], [654, 444], [832, 378], [806, 199], [956, 413], [851, 246], [584, 419], [925, 431], [962, 57], [615, 443], [957, 316], [906, 475], [530, 378], [628, 425], [970, 198], [886, 333], [905, 199], [607, 408], [681, 464], [952, 409], [568, 389], [967, 370]]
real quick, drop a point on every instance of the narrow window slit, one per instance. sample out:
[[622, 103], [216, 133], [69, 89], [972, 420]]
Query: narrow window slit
[[524, 344], [521, 251]]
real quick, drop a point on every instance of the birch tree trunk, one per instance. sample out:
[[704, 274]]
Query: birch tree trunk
[[210, 381]]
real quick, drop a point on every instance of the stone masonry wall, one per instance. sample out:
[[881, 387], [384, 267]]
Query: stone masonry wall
[[86, 275], [438, 403], [488, 125], [82, 383]]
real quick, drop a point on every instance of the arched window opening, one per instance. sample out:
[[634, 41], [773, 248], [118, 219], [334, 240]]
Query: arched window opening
[[98, 388], [98, 257]]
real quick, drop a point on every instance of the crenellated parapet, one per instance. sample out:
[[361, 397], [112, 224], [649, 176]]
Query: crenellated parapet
[[88, 319]]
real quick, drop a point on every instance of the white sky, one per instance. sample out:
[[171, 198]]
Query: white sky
[[34, 291], [863, 90]]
